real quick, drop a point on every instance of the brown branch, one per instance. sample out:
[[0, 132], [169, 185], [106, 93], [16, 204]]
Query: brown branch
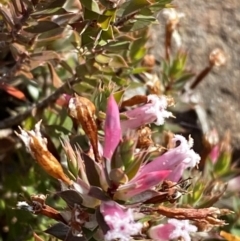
[[201, 76], [16, 120], [209, 215], [121, 21]]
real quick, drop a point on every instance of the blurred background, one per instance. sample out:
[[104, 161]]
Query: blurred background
[[208, 25]]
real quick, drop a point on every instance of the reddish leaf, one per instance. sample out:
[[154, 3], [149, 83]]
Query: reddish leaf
[[13, 91], [57, 82]]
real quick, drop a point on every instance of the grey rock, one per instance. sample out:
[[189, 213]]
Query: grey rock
[[208, 25]]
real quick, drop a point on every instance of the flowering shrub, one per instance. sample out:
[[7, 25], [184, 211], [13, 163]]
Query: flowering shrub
[[114, 191], [82, 68]]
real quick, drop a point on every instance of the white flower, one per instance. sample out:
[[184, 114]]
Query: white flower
[[182, 229], [154, 111], [173, 17], [176, 159], [24, 205], [171, 14], [120, 222], [158, 108], [173, 229]]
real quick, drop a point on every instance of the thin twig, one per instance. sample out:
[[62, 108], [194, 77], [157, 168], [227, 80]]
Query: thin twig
[[201, 76], [121, 21], [16, 120]]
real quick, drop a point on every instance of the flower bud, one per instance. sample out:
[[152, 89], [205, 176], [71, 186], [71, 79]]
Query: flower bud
[[112, 128], [83, 110], [217, 58], [37, 146], [144, 137]]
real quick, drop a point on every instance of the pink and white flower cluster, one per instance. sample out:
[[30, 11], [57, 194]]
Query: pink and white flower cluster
[[173, 229], [120, 222], [154, 111]]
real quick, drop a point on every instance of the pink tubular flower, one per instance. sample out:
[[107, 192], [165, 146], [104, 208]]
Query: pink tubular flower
[[140, 184], [120, 222], [176, 159], [170, 166], [63, 100], [112, 128], [173, 229], [153, 111]]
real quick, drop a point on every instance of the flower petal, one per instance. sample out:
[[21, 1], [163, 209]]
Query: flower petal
[[172, 159], [141, 183], [161, 232], [152, 112], [112, 128], [120, 221], [174, 229]]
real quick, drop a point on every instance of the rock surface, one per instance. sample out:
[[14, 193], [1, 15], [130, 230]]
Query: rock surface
[[208, 25]]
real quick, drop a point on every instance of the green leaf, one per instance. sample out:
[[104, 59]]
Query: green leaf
[[184, 78], [103, 59], [73, 6], [118, 95], [91, 5], [139, 70], [116, 46], [106, 19], [51, 35], [64, 18], [83, 87], [120, 81], [118, 62], [137, 24], [104, 22], [223, 163], [106, 36], [100, 101], [58, 123], [197, 192], [50, 4], [137, 50], [67, 67], [41, 27], [48, 12], [133, 167], [160, 4], [135, 5], [86, 69]]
